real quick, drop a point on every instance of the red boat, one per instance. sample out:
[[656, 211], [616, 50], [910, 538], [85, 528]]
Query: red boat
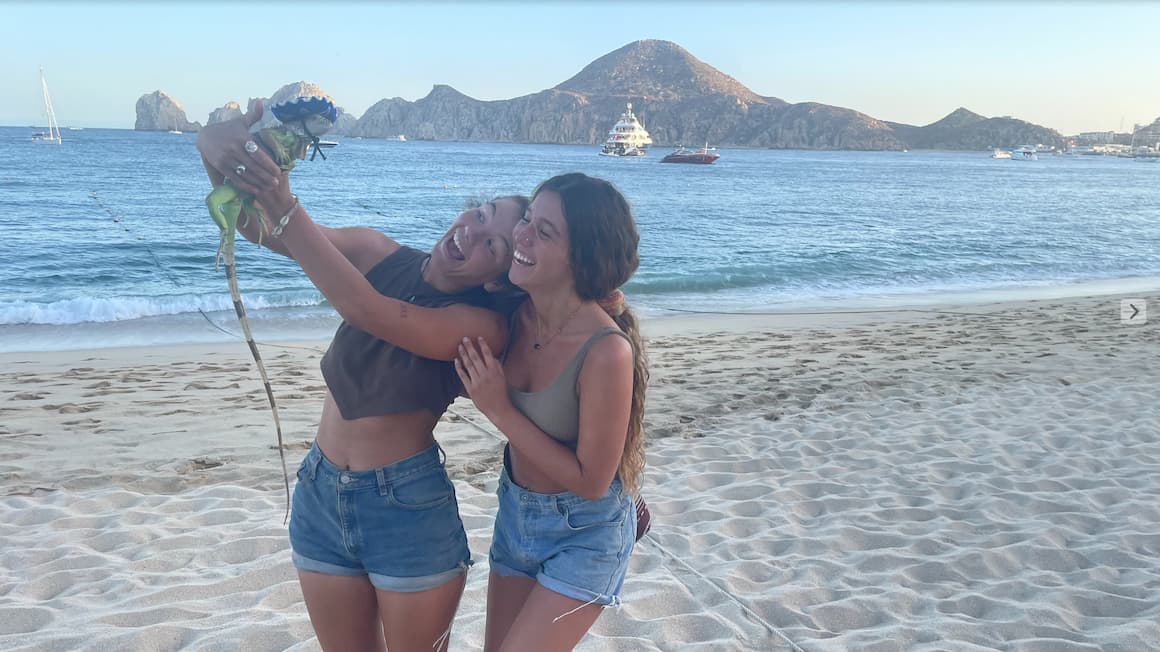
[[703, 156]]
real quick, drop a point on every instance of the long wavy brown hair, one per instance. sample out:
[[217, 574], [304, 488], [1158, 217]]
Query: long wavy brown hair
[[603, 257]]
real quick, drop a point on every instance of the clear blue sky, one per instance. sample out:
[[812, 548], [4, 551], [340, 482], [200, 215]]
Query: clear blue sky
[[1072, 66]]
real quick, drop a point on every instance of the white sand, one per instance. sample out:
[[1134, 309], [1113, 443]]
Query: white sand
[[903, 481]]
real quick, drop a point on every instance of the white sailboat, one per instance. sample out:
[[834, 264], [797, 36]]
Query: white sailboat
[[53, 133]]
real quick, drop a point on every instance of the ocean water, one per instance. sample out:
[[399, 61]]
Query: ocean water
[[107, 243]]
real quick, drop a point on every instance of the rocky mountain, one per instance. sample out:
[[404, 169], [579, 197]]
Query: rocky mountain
[[963, 129], [656, 70], [679, 98], [157, 111]]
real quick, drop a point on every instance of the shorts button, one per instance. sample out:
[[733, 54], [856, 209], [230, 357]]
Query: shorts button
[[344, 478]]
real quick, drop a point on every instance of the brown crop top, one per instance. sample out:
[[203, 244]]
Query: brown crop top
[[369, 376]]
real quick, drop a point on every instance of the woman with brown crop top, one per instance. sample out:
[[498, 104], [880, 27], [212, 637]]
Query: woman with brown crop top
[[375, 531], [569, 397]]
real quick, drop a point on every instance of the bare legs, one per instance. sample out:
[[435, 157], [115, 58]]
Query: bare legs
[[348, 613], [524, 616], [420, 621]]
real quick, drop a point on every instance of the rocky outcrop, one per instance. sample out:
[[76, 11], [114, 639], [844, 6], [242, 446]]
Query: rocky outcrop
[[228, 112], [231, 110], [157, 111], [963, 129]]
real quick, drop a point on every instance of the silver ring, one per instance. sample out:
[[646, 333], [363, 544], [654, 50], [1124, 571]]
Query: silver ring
[[240, 170], [251, 146]]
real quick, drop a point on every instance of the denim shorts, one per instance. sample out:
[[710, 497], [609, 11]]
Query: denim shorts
[[573, 546], [398, 525]]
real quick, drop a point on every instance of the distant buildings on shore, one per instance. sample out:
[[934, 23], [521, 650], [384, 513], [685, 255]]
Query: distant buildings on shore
[[1143, 140]]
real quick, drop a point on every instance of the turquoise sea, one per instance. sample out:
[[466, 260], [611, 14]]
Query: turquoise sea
[[107, 243]]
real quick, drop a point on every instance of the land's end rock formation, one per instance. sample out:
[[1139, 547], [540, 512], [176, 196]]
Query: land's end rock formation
[[680, 99], [157, 111], [295, 89]]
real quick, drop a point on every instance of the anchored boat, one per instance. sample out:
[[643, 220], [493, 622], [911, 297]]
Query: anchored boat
[[53, 132], [704, 156], [627, 137]]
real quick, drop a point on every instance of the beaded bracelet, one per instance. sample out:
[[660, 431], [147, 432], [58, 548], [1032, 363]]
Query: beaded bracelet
[[281, 226]]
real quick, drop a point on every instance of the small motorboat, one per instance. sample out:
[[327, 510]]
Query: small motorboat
[[704, 156]]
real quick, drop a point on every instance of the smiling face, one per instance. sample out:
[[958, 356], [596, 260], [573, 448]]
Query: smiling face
[[477, 249], [541, 259], [578, 234]]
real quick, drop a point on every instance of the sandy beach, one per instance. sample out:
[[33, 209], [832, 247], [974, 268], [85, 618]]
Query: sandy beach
[[972, 478]]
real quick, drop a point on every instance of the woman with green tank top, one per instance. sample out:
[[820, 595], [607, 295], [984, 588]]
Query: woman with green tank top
[[569, 396]]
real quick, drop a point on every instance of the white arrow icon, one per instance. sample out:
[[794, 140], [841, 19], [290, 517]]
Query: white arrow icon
[[1133, 311]]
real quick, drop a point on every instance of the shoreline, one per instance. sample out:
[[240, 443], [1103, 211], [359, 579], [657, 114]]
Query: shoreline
[[191, 329], [888, 481], [654, 146]]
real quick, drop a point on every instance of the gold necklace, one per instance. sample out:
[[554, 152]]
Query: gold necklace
[[540, 347]]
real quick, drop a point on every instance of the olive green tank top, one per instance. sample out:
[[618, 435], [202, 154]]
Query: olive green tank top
[[556, 408]]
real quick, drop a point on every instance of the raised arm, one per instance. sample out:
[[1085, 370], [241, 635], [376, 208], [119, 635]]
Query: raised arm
[[222, 148], [428, 332]]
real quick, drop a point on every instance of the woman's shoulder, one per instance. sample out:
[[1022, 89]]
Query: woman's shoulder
[[608, 346], [364, 247], [394, 258]]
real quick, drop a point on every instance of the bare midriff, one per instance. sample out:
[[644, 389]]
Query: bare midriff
[[372, 442], [528, 476]]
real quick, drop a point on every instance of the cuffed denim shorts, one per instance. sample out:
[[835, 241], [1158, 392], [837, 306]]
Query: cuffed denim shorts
[[398, 525], [573, 546]]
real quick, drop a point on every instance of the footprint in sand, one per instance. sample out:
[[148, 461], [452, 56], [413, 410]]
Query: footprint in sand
[[28, 396], [295, 445], [70, 408], [200, 464], [209, 386], [83, 422]]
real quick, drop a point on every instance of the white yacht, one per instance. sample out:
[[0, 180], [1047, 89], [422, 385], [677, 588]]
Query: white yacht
[[1024, 154], [627, 137]]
